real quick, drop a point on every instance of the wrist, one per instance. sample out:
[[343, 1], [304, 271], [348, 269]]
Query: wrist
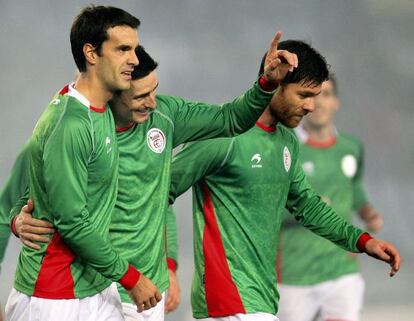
[[13, 226], [267, 85], [130, 278], [362, 241], [171, 264]]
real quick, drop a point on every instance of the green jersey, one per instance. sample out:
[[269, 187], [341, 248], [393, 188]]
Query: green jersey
[[335, 172], [241, 188], [14, 188], [138, 222], [72, 179], [171, 241]]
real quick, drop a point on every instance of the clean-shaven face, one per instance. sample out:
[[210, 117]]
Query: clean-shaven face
[[326, 106], [117, 58], [137, 103]]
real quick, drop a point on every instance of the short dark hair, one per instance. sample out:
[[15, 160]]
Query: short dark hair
[[312, 68], [146, 64], [91, 26], [332, 79]]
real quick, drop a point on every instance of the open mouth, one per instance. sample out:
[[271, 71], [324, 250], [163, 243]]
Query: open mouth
[[127, 75]]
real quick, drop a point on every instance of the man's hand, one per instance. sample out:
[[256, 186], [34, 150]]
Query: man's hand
[[278, 62], [372, 218], [384, 251], [173, 297], [32, 230], [145, 294]]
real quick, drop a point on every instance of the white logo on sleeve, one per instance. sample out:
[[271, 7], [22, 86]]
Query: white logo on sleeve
[[256, 159], [349, 165], [156, 140], [287, 159]]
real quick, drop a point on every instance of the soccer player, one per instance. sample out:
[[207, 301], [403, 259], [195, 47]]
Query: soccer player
[[72, 178], [241, 187], [322, 278], [149, 126]]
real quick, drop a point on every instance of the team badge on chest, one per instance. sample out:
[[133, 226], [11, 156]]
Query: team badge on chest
[[156, 140], [349, 166], [287, 159]]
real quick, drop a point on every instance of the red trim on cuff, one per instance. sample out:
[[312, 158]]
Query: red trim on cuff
[[13, 226], [130, 278], [172, 265], [362, 241], [267, 85]]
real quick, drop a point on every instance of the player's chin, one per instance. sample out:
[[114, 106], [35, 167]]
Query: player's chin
[[292, 122], [140, 118]]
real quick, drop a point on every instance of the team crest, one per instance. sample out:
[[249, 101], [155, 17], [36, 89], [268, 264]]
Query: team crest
[[156, 140], [308, 167], [349, 165], [287, 159]]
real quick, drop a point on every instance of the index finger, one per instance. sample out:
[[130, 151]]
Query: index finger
[[38, 223], [275, 42]]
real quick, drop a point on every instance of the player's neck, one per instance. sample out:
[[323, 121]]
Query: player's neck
[[93, 90], [267, 119], [320, 133]]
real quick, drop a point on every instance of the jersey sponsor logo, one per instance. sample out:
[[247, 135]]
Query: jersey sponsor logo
[[287, 159], [156, 140], [256, 159], [108, 145], [308, 168], [349, 165]]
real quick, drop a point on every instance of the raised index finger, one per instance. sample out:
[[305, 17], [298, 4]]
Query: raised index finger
[[275, 42]]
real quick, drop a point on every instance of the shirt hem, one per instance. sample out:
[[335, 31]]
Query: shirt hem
[[62, 295]]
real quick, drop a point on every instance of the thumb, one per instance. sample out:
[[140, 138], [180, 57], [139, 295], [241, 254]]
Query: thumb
[[29, 207]]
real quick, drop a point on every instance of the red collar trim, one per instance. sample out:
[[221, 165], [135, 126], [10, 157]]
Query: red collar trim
[[97, 109], [64, 90], [124, 129], [268, 129], [325, 144]]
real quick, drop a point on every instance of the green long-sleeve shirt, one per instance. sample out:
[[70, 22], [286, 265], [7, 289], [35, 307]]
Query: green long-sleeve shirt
[[138, 222], [72, 179], [12, 190], [241, 187]]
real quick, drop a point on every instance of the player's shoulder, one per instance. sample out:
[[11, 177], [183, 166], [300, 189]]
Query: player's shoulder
[[288, 134], [168, 102], [349, 139]]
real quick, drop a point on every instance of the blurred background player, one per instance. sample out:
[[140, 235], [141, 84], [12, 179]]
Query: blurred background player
[[321, 278], [241, 187]]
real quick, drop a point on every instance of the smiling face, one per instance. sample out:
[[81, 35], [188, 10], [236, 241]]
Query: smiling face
[[137, 103], [116, 58], [326, 106], [293, 101]]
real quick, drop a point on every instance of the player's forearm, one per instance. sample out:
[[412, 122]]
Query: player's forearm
[[322, 220], [4, 238], [97, 252], [241, 114]]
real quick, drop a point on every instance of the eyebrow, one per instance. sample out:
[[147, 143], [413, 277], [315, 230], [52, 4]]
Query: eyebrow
[[124, 47], [146, 93], [309, 94]]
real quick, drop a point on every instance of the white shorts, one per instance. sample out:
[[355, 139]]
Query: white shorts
[[339, 300], [154, 314], [245, 317], [104, 306]]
